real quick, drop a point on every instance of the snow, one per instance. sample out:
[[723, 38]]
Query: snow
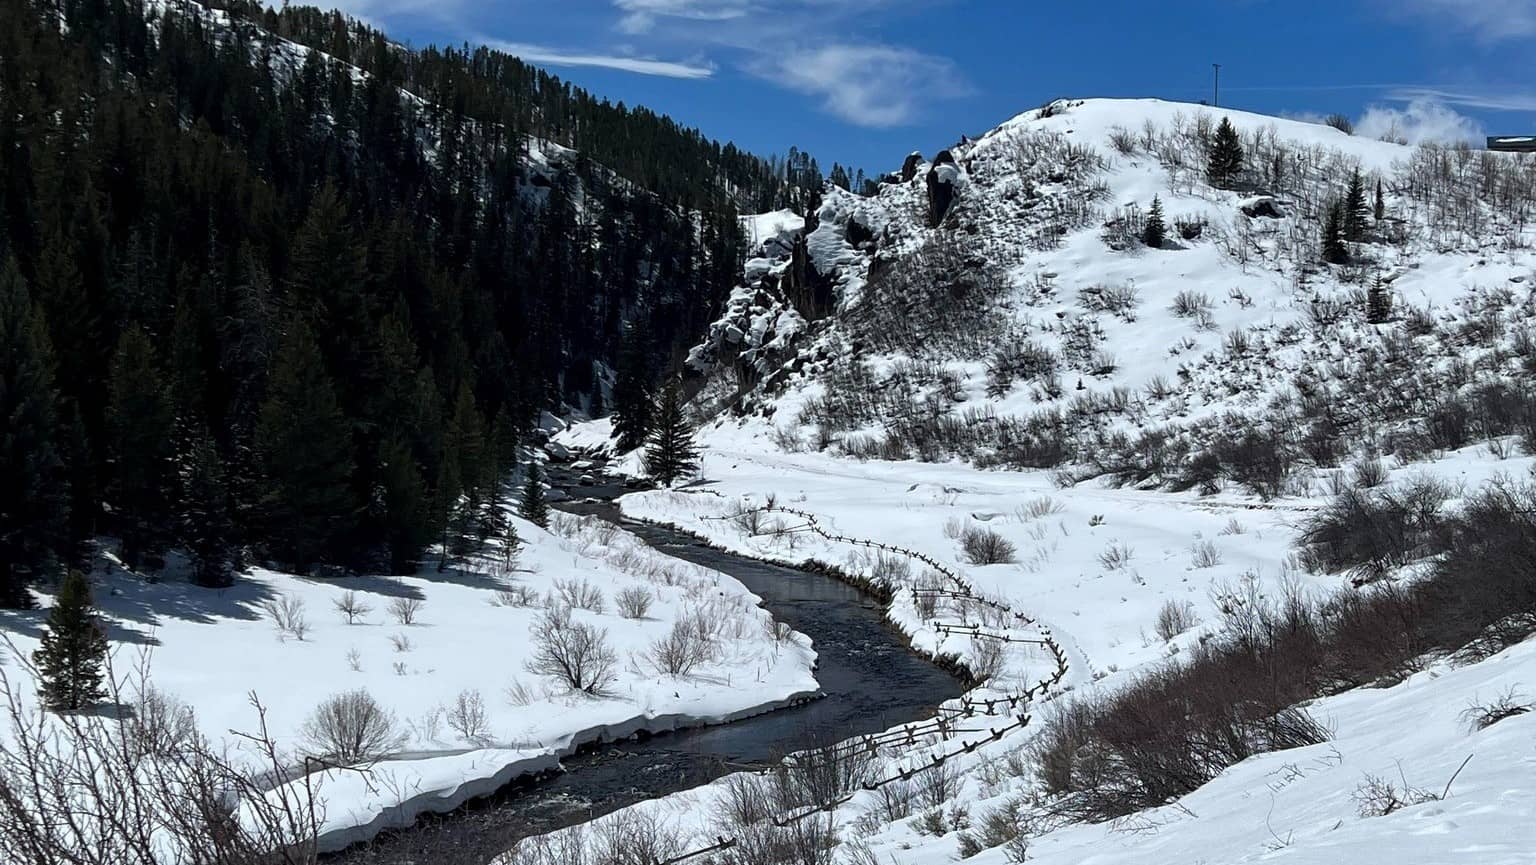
[[1094, 569], [211, 649]]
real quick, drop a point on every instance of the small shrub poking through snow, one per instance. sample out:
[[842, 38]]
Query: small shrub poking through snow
[[1204, 554], [573, 653], [287, 614], [468, 718], [405, 610], [1481, 716], [351, 607], [986, 547], [1175, 618], [351, 728], [634, 602]]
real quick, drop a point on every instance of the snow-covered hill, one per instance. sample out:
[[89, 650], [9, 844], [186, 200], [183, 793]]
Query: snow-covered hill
[[987, 349]]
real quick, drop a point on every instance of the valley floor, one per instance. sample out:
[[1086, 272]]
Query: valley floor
[[1094, 565]]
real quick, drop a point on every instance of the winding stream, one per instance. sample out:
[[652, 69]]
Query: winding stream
[[872, 682]]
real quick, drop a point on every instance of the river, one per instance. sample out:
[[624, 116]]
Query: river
[[871, 679]]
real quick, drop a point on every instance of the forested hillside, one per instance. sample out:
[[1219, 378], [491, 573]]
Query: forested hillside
[[273, 283]]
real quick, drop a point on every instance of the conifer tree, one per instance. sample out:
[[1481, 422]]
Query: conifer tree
[[142, 424], [401, 500], [1226, 156], [1355, 212], [1155, 232], [671, 454], [632, 391], [532, 506], [34, 515], [1378, 303], [1380, 210], [1334, 251], [305, 450], [206, 529], [73, 649]]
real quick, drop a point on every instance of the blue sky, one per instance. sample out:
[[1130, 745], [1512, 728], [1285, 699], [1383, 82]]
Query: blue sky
[[866, 81]]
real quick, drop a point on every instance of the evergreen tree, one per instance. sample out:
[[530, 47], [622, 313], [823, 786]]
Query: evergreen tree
[[1378, 303], [401, 499], [1226, 156], [73, 649], [1355, 212], [206, 530], [1334, 251], [595, 406], [465, 480], [35, 510], [632, 391], [1380, 210], [142, 424], [305, 450], [532, 506], [1155, 232], [671, 454]]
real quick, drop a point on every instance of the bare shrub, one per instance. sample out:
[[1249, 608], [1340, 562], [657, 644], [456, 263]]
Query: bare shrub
[[893, 802], [1378, 797], [517, 595], [635, 838], [1204, 554], [983, 546], [1037, 508], [467, 717], [401, 643], [351, 728], [1369, 473], [351, 607], [634, 602], [986, 658], [1370, 533], [680, 651], [939, 784], [1481, 716], [519, 694], [1340, 122], [1116, 556], [574, 653], [824, 775], [405, 610], [1189, 304], [87, 789], [1174, 618], [997, 827], [580, 594], [890, 570], [287, 614]]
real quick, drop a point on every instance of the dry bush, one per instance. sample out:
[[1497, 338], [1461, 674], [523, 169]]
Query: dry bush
[[983, 546], [467, 717], [87, 789], [351, 607], [517, 595], [680, 651], [987, 658], [824, 775], [1509, 704], [998, 827], [287, 614], [1204, 554], [1116, 556], [580, 594], [401, 643], [405, 610], [574, 653], [1378, 797], [1037, 508], [1369, 473], [1370, 533], [634, 602], [1190, 304], [351, 728], [1174, 618], [939, 784]]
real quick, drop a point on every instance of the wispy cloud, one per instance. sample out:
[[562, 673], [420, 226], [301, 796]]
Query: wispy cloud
[[1489, 20], [1483, 98], [866, 85], [543, 54]]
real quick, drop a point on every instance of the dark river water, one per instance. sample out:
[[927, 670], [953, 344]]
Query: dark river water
[[871, 680]]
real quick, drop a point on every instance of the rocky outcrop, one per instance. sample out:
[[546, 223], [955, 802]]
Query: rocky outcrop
[[805, 287], [909, 167], [941, 187]]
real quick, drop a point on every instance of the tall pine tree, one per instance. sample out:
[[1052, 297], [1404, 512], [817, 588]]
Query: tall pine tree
[[1356, 213], [1334, 249], [34, 515], [1226, 156], [532, 506], [72, 650], [305, 449], [632, 408], [207, 532], [1156, 231], [141, 421], [671, 455]]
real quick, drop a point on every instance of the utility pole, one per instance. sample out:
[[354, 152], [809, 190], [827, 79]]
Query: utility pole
[[1216, 86]]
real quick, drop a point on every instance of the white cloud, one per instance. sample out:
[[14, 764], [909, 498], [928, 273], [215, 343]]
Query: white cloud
[[1421, 120], [541, 54], [699, 10], [1491, 20], [867, 85], [1494, 100]]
